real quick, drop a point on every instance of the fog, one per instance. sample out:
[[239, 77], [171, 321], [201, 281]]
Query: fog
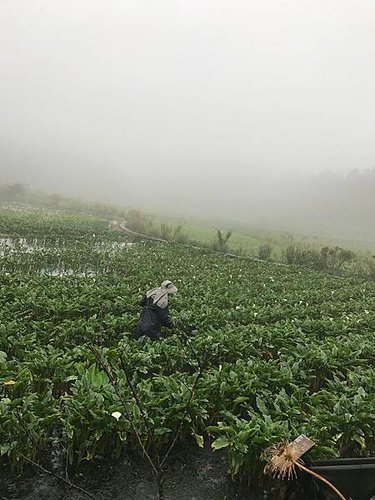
[[225, 108]]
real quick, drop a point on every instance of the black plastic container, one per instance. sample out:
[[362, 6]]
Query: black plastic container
[[354, 477]]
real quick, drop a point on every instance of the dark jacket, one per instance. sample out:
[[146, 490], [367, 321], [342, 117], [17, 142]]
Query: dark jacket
[[151, 319]]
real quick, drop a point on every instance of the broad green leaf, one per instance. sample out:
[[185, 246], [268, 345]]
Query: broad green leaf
[[199, 439], [221, 442]]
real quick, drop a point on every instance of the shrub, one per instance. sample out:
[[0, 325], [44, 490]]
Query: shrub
[[265, 251], [298, 254], [334, 259], [138, 221], [364, 267], [221, 244], [174, 234], [331, 259]]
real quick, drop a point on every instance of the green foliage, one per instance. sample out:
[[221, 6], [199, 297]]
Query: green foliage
[[47, 228], [364, 267], [265, 251], [282, 351], [335, 258], [331, 259], [139, 222], [20, 195], [221, 244], [172, 233]]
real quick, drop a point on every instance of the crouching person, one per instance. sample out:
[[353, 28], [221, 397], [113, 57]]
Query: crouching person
[[155, 311]]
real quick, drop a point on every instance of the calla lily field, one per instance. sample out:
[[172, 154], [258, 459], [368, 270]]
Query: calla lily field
[[280, 351]]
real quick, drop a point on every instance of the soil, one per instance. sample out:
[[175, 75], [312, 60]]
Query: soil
[[193, 474]]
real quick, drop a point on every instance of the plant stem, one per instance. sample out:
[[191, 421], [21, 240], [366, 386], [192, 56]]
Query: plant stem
[[133, 391], [323, 479], [72, 485], [192, 392], [67, 463], [160, 482], [128, 416]]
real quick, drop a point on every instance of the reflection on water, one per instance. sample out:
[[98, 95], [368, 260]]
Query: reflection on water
[[58, 257], [67, 272]]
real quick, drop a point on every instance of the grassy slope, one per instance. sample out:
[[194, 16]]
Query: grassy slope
[[248, 237]]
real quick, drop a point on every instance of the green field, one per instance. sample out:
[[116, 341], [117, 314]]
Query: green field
[[246, 238], [262, 353]]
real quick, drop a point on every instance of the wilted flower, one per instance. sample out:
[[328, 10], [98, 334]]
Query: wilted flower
[[9, 382], [282, 459]]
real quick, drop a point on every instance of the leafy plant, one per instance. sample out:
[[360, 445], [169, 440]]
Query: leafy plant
[[265, 251], [279, 351], [221, 244]]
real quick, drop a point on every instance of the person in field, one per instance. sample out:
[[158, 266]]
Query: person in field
[[155, 311]]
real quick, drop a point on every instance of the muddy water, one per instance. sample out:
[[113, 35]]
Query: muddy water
[[197, 475]]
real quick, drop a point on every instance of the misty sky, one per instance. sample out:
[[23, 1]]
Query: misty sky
[[159, 100]]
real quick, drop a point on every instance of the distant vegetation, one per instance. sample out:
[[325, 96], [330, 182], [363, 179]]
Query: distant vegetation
[[20, 194], [286, 249], [221, 244], [265, 251]]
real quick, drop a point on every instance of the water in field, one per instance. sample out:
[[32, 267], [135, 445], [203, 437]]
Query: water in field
[[60, 272], [64, 258]]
